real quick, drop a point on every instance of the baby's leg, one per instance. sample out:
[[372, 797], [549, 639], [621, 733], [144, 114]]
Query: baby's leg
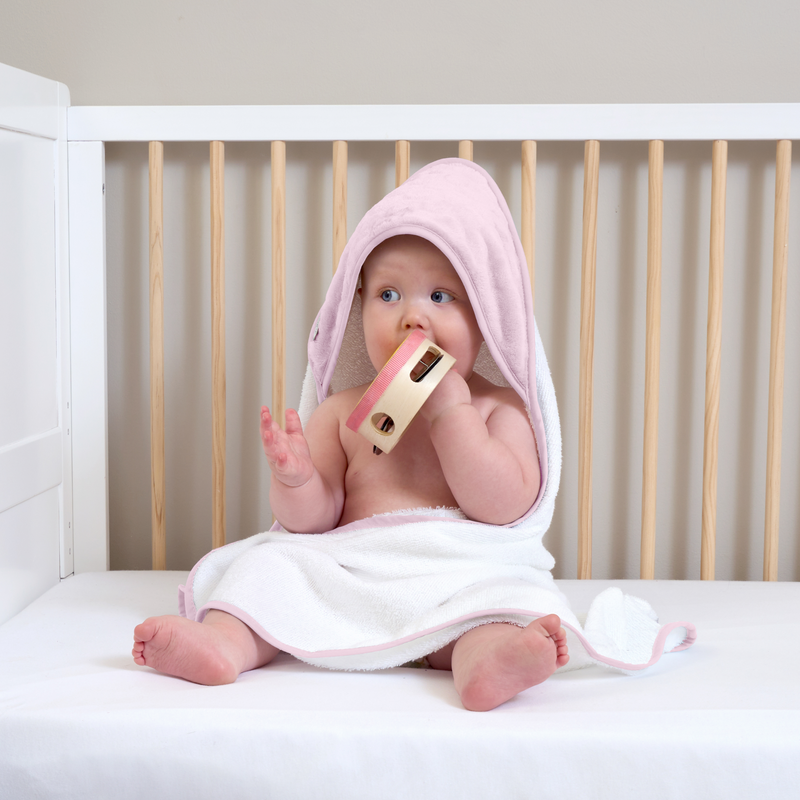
[[210, 653], [495, 662]]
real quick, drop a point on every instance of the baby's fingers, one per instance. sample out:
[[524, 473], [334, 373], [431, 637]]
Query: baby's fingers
[[290, 469], [293, 424], [286, 451], [269, 430]]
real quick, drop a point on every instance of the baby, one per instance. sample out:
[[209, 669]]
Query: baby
[[471, 446]]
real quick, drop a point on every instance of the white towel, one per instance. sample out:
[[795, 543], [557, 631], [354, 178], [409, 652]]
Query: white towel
[[388, 590]]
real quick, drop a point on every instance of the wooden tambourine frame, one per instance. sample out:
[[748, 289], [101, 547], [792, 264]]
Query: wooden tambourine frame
[[393, 399]]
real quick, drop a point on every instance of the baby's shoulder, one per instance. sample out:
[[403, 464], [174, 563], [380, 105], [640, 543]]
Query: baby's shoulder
[[341, 404], [493, 397]]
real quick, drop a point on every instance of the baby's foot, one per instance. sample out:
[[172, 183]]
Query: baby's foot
[[499, 661], [184, 648]]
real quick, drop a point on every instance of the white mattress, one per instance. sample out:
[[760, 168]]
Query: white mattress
[[79, 719]]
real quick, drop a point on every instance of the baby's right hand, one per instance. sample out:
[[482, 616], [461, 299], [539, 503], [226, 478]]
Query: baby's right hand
[[286, 451]]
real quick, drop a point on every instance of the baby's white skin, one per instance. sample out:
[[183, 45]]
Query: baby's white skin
[[470, 446]]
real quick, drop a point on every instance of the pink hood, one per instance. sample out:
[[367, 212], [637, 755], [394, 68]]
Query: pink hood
[[457, 206]]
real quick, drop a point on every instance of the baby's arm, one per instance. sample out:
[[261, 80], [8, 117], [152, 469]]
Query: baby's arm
[[491, 467], [307, 487]]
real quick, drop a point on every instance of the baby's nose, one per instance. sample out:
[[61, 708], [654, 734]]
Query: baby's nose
[[414, 316]]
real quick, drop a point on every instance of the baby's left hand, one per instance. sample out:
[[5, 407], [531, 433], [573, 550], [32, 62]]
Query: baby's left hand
[[451, 391]]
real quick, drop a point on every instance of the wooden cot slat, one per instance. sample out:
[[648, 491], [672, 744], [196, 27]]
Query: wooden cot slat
[[529, 211], [780, 257], [218, 343], [647, 566], [278, 169], [591, 177], [719, 166], [465, 150], [402, 161], [158, 488], [339, 201]]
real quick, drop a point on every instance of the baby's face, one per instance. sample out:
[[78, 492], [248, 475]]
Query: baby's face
[[407, 284]]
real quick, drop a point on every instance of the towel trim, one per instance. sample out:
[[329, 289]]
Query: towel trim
[[657, 651]]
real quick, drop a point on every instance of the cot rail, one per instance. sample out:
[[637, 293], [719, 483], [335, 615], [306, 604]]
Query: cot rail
[[340, 124], [655, 193], [278, 155], [591, 181], [157, 443], [783, 165], [452, 123]]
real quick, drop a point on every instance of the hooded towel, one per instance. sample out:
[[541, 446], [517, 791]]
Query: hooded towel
[[386, 590]]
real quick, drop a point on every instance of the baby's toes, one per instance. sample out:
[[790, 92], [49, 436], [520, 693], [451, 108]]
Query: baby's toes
[[144, 632], [562, 650], [552, 626]]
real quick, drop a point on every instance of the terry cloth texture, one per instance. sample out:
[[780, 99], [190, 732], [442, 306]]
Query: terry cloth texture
[[386, 590]]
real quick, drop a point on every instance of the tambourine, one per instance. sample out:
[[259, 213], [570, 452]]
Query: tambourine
[[393, 399]]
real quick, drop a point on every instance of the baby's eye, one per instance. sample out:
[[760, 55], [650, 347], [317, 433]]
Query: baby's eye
[[442, 297], [389, 295]]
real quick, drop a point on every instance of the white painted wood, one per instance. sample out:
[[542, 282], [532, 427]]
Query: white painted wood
[[28, 552], [32, 458], [29, 389], [29, 468], [89, 377], [63, 348], [30, 104], [700, 121]]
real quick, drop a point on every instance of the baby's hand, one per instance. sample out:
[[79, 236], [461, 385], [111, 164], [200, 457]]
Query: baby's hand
[[451, 391], [287, 451]]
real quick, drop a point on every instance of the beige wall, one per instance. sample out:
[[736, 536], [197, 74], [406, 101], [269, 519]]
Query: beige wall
[[526, 52], [417, 51]]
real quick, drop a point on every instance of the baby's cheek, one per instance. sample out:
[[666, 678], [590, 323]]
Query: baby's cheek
[[377, 352]]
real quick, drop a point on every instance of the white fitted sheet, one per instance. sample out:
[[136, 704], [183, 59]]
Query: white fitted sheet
[[79, 719]]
